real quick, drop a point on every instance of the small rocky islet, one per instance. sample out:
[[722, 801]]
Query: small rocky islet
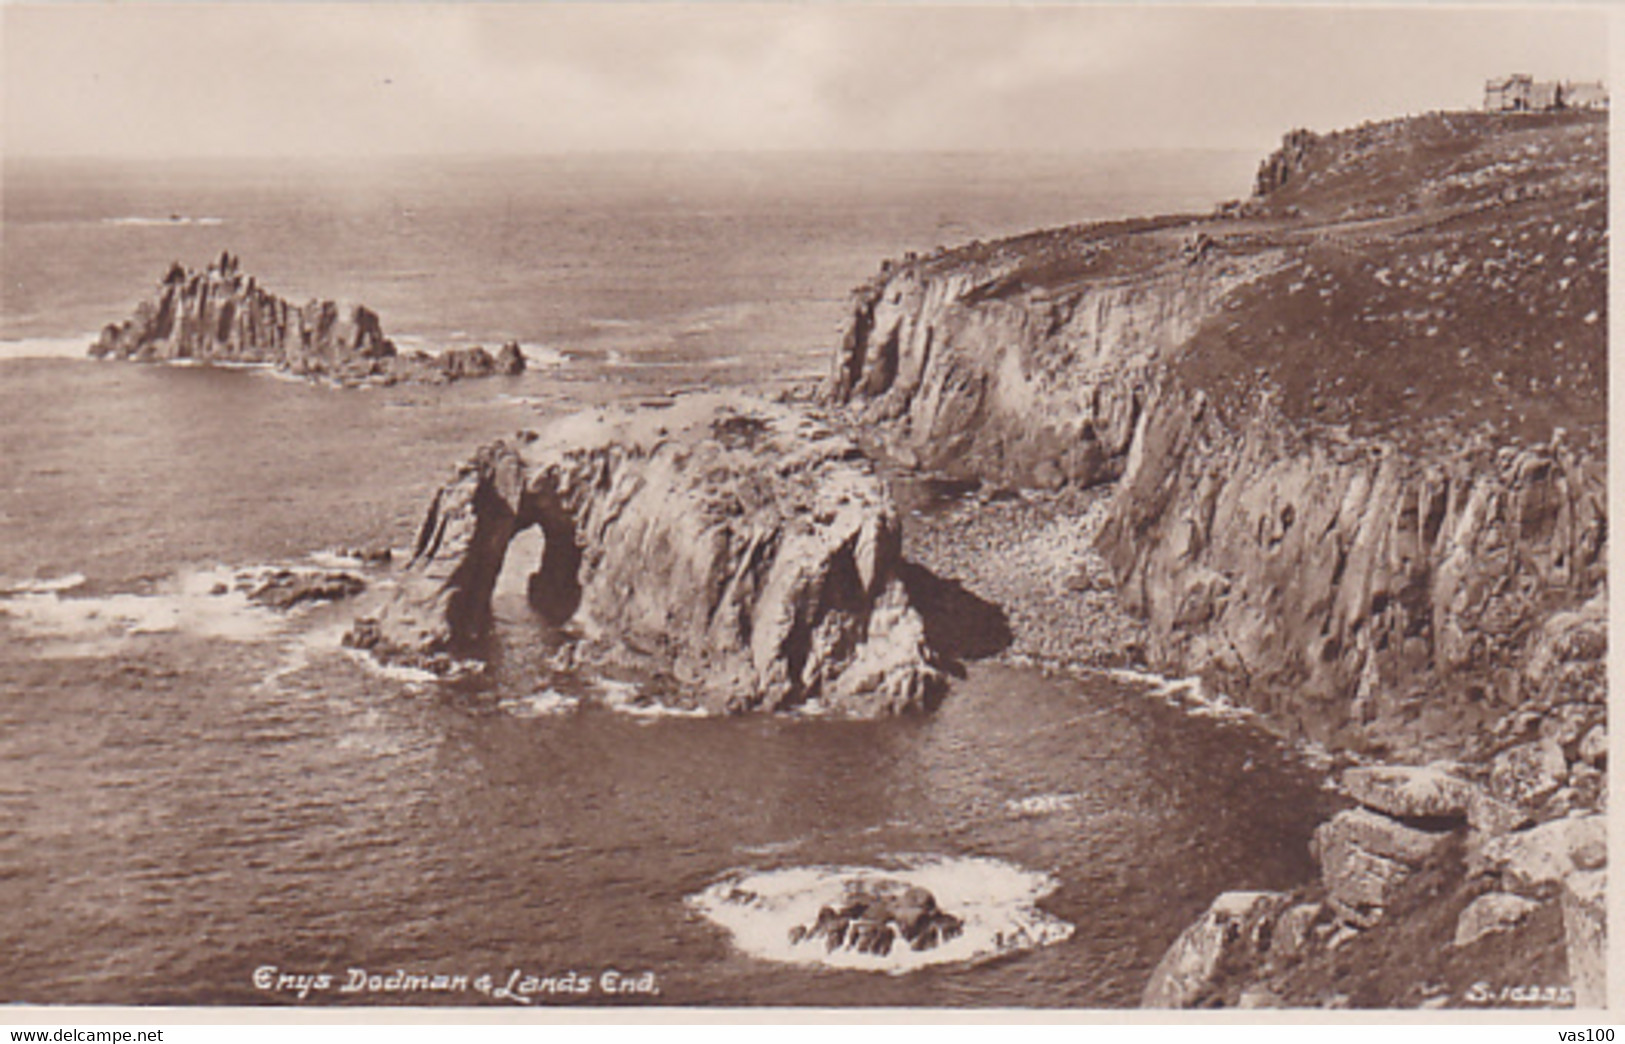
[[221, 315], [1338, 450], [876, 915]]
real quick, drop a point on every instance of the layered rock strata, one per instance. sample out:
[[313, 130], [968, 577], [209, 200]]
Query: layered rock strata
[[1358, 425], [740, 549], [221, 315]]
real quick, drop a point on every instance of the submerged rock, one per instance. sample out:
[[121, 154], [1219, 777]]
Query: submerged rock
[[286, 588], [740, 548], [1408, 791], [877, 914]]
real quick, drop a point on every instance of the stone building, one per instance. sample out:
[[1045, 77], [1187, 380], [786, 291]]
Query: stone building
[[1523, 93]]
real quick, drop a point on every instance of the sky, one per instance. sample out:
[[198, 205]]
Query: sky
[[363, 80]]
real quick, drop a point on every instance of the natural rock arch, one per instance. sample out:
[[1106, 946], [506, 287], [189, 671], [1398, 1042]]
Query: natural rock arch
[[741, 548]]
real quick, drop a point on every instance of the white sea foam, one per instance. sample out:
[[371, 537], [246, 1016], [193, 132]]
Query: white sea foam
[[616, 359], [334, 560], [628, 698], [208, 602], [1126, 674], [202, 602], [48, 347], [173, 221], [410, 676], [997, 902], [768, 848], [543, 355], [1042, 804], [549, 703], [46, 586]]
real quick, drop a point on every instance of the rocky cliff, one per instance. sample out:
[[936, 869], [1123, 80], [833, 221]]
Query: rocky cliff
[[220, 315], [1357, 426], [1359, 421], [741, 550]]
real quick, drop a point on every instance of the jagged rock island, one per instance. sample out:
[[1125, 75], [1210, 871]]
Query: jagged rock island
[[742, 550], [1354, 431], [220, 315]]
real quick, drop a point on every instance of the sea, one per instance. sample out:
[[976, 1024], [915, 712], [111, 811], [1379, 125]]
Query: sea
[[206, 802]]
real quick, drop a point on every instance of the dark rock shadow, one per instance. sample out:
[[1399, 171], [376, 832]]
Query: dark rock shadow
[[959, 624]]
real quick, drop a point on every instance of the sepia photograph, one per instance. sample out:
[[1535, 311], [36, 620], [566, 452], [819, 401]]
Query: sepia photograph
[[800, 507]]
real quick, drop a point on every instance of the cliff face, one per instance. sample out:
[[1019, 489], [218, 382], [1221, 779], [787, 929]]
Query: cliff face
[[1360, 595], [220, 315], [1027, 364], [1359, 422], [741, 549]]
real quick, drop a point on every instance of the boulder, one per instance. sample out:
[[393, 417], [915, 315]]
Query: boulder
[[1408, 791], [1585, 935], [1235, 930], [1489, 913], [1360, 883], [1536, 861], [741, 549], [1381, 836], [1565, 661], [1529, 772], [1293, 930], [1488, 814], [510, 360], [1594, 746], [877, 914]]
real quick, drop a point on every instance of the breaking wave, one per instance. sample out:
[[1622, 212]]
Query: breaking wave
[[995, 900], [48, 347], [172, 221], [211, 602]]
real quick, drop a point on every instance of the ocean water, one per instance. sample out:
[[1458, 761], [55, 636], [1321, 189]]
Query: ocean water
[[206, 802]]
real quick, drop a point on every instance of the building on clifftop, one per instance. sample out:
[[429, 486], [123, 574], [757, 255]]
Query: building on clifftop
[[1523, 93]]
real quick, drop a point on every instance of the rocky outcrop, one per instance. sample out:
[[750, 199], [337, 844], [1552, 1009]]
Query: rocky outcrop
[[1357, 593], [1409, 846], [1492, 912], [1023, 367], [286, 588], [743, 550], [1279, 166], [1585, 931], [1235, 932], [220, 315], [1408, 818], [1360, 469], [875, 915]]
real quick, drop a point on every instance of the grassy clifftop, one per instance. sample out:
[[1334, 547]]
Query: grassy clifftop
[[1448, 270]]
